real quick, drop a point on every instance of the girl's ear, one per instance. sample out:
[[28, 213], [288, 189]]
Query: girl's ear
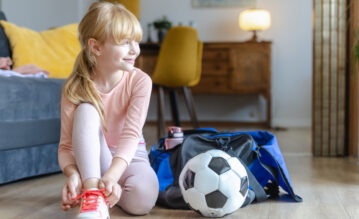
[[94, 46]]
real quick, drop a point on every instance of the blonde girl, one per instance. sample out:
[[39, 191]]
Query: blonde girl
[[103, 109]]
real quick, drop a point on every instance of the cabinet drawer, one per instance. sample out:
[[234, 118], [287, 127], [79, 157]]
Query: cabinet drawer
[[215, 54], [215, 68], [211, 84], [253, 68]]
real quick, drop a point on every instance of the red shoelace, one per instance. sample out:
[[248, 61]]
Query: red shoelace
[[90, 199]]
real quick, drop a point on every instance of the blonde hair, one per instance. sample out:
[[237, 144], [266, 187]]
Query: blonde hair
[[104, 20]]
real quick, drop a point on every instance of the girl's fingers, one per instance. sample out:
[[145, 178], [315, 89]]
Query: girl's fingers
[[116, 189], [72, 191], [108, 189], [69, 196], [64, 195], [101, 185], [65, 207], [115, 196], [76, 203], [112, 202]]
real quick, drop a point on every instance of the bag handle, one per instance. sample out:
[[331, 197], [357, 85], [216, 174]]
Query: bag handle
[[200, 131]]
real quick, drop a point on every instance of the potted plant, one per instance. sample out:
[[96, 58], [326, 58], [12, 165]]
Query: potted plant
[[162, 25]]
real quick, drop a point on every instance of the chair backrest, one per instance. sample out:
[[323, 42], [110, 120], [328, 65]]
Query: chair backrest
[[180, 58]]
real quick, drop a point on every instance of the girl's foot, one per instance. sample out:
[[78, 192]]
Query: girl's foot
[[93, 205]]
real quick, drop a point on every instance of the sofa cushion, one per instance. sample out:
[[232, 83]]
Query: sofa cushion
[[54, 50], [23, 99]]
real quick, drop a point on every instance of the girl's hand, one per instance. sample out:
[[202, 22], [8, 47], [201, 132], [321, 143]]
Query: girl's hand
[[5, 63], [71, 189], [113, 190]]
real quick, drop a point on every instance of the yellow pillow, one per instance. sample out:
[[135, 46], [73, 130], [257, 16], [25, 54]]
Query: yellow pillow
[[54, 50]]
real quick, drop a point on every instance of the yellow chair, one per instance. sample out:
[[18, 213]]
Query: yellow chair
[[178, 66]]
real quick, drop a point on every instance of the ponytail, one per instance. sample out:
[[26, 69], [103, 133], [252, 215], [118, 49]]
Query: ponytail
[[79, 87]]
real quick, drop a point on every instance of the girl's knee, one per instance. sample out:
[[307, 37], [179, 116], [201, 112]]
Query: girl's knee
[[86, 110], [139, 199]]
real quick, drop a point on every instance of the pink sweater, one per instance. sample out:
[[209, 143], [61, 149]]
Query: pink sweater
[[125, 109]]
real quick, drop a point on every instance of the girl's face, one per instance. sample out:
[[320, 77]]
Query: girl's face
[[121, 56]]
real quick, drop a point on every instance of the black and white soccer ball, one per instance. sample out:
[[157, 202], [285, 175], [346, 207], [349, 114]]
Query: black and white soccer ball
[[214, 184]]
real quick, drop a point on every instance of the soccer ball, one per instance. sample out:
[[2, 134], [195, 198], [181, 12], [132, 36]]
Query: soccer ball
[[214, 184]]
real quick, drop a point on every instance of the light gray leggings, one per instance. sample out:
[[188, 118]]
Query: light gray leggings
[[93, 157]]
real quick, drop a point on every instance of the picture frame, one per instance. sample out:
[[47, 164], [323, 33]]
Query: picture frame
[[223, 3]]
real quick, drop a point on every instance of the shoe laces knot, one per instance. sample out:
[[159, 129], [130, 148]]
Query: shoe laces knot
[[90, 199]]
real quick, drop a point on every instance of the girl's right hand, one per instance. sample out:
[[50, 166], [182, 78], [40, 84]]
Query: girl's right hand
[[71, 189]]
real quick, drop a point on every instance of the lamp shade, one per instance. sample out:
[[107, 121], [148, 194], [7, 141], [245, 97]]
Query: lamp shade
[[131, 5], [254, 19]]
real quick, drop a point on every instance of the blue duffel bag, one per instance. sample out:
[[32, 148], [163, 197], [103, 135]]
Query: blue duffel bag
[[258, 151]]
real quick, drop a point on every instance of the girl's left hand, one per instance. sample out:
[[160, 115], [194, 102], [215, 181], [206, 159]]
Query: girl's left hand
[[113, 190]]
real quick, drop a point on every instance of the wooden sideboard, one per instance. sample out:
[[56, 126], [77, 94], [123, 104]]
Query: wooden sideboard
[[227, 68]]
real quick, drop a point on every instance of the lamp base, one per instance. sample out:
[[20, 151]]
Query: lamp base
[[254, 38]]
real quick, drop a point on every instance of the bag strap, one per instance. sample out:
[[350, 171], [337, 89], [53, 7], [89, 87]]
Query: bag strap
[[258, 190], [249, 198], [272, 171]]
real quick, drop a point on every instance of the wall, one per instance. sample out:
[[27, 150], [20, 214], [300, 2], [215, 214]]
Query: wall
[[40, 14], [291, 34]]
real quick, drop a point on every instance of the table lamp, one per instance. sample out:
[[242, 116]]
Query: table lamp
[[254, 20]]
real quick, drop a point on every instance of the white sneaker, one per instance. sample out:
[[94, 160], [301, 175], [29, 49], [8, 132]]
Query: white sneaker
[[93, 205]]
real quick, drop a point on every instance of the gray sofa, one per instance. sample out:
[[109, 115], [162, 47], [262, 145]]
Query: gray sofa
[[29, 123], [29, 127]]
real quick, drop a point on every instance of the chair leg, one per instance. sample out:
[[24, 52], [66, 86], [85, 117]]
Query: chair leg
[[174, 107], [161, 126], [190, 106]]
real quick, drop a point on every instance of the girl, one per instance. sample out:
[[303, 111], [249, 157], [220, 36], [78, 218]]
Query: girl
[[103, 110]]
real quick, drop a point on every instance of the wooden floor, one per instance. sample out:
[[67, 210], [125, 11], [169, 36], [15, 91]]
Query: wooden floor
[[329, 187]]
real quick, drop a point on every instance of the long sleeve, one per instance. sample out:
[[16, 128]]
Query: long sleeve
[[65, 152], [125, 108], [135, 118]]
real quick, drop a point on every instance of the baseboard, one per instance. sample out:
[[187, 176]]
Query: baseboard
[[227, 124], [292, 123]]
